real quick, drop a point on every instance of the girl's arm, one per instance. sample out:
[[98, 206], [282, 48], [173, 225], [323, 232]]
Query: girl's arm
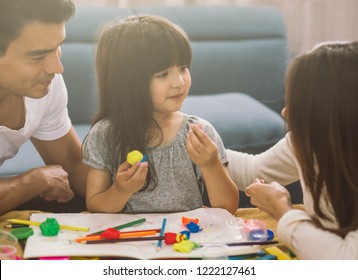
[[103, 195], [222, 191]]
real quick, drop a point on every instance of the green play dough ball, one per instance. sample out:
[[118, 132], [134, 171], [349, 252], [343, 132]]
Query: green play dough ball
[[50, 227]]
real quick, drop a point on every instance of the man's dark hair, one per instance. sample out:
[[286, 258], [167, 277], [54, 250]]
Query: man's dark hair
[[15, 14]]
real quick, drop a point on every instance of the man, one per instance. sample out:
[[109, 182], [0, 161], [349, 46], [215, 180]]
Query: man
[[33, 100]]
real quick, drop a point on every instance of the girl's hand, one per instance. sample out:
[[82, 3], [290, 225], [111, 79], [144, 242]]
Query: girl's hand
[[272, 198], [201, 149], [130, 179]]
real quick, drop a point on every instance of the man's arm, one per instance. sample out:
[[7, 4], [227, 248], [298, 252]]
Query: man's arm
[[51, 182], [64, 168], [66, 151]]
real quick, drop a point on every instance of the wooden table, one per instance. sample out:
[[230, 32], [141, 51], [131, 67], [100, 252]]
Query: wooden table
[[244, 213]]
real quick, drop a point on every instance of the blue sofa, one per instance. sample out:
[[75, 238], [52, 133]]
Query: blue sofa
[[239, 59]]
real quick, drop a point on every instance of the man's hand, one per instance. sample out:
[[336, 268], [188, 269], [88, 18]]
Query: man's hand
[[57, 185]]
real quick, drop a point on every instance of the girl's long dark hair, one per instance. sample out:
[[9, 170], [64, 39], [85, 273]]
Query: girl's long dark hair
[[322, 113], [129, 53]]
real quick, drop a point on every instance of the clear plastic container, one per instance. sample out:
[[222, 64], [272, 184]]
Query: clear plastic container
[[255, 230], [236, 226], [8, 246]]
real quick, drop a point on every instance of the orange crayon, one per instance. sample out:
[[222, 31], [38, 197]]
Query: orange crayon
[[119, 234]]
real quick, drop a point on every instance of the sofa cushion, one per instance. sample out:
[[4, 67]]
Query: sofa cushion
[[235, 49], [243, 123]]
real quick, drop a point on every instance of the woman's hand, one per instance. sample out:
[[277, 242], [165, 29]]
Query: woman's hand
[[271, 198]]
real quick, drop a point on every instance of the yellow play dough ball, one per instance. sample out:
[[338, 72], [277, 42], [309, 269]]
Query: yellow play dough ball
[[134, 157], [185, 246]]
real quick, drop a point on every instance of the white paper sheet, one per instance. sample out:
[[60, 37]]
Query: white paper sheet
[[213, 222]]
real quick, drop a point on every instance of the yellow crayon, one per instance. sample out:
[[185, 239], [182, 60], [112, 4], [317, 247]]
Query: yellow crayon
[[273, 250], [32, 223]]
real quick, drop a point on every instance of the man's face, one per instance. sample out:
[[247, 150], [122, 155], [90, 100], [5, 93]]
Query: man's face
[[31, 60]]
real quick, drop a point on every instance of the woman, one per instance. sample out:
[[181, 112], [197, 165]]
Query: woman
[[320, 150]]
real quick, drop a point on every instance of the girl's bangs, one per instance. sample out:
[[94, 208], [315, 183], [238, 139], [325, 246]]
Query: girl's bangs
[[168, 51]]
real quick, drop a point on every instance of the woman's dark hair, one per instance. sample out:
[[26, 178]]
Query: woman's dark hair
[[322, 114]]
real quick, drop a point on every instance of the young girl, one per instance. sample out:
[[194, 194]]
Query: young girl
[[321, 150], [143, 76]]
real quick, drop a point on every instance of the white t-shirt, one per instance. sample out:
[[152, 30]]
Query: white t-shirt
[[45, 119]]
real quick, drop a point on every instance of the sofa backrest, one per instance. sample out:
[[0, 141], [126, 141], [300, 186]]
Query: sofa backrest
[[245, 52]]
